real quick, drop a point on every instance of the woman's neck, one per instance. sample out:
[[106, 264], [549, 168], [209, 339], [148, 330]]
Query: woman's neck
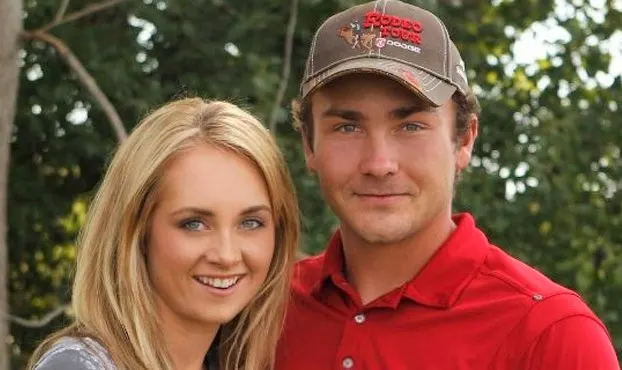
[[187, 342]]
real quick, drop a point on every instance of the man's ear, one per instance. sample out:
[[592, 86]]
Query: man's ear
[[465, 144], [309, 154]]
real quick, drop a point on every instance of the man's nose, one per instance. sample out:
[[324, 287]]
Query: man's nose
[[379, 157]]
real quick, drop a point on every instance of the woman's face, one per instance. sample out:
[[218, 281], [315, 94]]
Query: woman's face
[[211, 238]]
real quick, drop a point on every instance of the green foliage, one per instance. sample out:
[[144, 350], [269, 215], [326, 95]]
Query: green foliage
[[544, 129]]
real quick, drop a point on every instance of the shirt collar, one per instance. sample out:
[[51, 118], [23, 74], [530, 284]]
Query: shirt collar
[[452, 267], [444, 276], [333, 264]]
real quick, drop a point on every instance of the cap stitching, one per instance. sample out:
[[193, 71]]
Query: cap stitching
[[450, 66], [428, 79], [371, 51], [401, 61], [313, 50], [419, 70], [384, 10], [402, 81], [438, 82], [375, 7], [384, 7], [443, 31]]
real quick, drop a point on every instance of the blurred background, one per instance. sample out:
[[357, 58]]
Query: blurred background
[[545, 182]]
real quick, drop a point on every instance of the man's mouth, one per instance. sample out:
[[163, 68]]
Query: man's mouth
[[381, 195]]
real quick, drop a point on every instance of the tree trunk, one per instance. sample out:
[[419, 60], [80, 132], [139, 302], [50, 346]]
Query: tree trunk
[[10, 28]]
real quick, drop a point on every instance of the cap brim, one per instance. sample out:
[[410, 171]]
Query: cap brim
[[429, 87]]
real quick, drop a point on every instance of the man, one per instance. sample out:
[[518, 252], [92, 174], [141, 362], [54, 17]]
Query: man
[[403, 284]]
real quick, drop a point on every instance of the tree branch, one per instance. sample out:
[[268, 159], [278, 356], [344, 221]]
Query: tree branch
[[85, 77], [45, 320], [10, 29], [61, 10], [287, 61], [87, 10]]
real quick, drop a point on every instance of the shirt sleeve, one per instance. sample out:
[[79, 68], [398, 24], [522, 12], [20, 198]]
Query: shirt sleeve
[[68, 359], [573, 343]]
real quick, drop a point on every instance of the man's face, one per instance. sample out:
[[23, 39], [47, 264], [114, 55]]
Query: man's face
[[386, 161]]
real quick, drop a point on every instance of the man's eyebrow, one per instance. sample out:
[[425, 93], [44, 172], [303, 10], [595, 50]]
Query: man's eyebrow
[[398, 113], [403, 112], [346, 114]]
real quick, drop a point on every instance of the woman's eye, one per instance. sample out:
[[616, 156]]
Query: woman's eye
[[251, 224], [193, 225]]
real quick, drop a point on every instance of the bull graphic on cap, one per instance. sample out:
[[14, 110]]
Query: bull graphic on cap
[[356, 37]]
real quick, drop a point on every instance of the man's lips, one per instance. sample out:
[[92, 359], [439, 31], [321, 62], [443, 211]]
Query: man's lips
[[381, 198], [381, 195]]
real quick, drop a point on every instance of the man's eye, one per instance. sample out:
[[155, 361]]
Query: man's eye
[[412, 126], [251, 224], [193, 225], [347, 128]]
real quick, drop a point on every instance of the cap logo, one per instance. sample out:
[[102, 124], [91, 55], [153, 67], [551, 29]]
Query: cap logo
[[356, 37], [404, 45], [366, 39], [395, 27], [410, 77]]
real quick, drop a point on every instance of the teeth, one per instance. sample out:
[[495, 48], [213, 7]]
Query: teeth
[[218, 283]]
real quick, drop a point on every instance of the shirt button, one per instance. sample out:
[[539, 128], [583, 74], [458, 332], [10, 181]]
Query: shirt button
[[347, 363], [360, 318]]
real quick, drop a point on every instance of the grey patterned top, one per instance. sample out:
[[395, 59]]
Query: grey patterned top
[[75, 354], [87, 354]]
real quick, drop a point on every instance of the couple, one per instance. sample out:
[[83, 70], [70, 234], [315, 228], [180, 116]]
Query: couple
[[187, 253]]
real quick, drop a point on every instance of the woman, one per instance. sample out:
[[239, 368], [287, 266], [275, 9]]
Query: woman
[[185, 258]]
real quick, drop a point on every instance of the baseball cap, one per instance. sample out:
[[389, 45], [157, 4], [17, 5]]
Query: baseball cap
[[392, 38]]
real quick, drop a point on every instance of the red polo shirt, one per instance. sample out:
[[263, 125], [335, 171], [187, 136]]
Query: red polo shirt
[[471, 307]]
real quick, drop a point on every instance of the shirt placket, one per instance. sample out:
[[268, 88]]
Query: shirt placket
[[355, 332]]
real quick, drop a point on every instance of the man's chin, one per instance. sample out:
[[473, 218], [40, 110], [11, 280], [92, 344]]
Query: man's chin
[[379, 234]]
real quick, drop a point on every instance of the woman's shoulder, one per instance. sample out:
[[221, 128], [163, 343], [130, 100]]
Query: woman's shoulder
[[70, 353]]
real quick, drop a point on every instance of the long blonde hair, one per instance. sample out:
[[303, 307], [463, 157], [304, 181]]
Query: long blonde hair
[[112, 295]]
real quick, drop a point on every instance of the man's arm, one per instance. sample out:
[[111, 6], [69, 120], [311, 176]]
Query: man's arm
[[573, 343]]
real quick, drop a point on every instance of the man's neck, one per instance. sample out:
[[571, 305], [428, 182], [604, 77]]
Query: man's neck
[[374, 270]]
